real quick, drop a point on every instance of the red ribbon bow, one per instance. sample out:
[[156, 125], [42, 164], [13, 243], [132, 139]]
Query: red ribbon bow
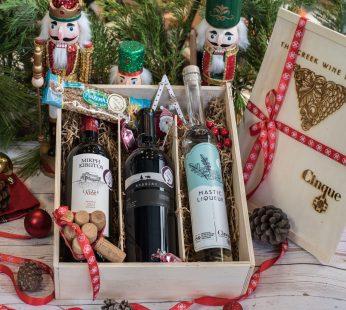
[[267, 126]]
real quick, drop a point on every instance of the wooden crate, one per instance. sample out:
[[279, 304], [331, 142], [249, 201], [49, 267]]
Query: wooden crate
[[165, 281]]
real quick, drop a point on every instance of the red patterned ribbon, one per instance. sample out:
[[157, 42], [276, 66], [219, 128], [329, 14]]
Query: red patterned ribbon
[[13, 236], [85, 246], [274, 100], [233, 303], [267, 126], [34, 301]]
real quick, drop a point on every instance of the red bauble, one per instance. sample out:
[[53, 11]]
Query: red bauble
[[224, 132], [209, 124], [227, 142], [38, 223], [215, 131], [220, 145]]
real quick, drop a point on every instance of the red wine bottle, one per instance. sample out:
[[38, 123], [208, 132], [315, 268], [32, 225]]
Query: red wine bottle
[[89, 179], [149, 187]]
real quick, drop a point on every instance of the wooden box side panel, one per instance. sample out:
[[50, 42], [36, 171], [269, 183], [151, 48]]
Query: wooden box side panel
[[154, 282], [245, 241]]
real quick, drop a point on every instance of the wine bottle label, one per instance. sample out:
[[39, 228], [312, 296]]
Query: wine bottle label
[[91, 182], [145, 189], [207, 199]]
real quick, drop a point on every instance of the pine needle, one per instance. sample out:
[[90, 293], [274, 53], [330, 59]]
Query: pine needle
[[28, 163]]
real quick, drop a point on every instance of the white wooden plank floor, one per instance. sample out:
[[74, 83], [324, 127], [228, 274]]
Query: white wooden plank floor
[[297, 281]]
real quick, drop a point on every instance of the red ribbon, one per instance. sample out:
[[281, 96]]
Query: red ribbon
[[34, 301], [85, 246], [267, 126], [233, 303]]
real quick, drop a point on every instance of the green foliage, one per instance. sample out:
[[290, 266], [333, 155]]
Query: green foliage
[[28, 163], [105, 51], [144, 22], [261, 16], [16, 110]]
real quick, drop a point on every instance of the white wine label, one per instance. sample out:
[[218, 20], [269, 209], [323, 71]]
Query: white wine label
[[91, 182], [207, 199]]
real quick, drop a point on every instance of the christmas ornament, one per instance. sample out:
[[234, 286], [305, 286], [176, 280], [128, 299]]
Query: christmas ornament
[[166, 120], [64, 48], [220, 35], [38, 223], [6, 167], [174, 102], [130, 70], [4, 196], [269, 224], [221, 134], [29, 277], [111, 304]]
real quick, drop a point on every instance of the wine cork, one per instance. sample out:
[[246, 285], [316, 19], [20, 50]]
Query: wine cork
[[68, 217], [81, 218], [109, 251], [76, 247], [90, 231], [69, 233], [99, 219]]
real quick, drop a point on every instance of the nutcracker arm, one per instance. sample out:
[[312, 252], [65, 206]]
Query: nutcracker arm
[[37, 68], [86, 63]]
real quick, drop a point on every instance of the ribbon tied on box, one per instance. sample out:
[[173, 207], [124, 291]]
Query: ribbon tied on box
[[88, 252], [266, 128]]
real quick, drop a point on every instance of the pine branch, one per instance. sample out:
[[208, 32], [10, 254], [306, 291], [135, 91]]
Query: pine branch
[[28, 163]]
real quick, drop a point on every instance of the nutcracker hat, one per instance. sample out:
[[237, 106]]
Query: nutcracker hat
[[223, 14], [65, 10], [131, 58]]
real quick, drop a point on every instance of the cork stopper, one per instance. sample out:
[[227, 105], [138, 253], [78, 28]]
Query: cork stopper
[[69, 233], [68, 217], [81, 218], [99, 219], [76, 247], [109, 251], [90, 231]]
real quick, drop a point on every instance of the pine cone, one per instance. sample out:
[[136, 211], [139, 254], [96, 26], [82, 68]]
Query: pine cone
[[269, 224], [29, 277], [4, 196], [111, 304]]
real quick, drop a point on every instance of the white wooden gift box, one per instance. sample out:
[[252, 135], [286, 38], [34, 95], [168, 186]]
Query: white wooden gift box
[[162, 281], [323, 52]]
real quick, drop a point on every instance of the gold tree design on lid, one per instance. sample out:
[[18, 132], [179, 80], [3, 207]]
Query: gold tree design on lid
[[317, 97]]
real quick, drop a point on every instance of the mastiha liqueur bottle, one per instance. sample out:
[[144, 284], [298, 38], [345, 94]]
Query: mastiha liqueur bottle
[[149, 188], [210, 228]]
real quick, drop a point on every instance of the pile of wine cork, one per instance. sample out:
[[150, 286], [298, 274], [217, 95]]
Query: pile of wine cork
[[91, 225]]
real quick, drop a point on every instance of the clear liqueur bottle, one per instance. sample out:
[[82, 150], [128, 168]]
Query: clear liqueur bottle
[[89, 181], [149, 189], [210, 228]]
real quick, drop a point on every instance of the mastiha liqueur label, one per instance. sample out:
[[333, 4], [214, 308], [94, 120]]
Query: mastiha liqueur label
[[207, 198], [91, 182]]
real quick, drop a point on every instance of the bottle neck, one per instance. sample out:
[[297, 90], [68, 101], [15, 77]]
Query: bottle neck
[[195, 107], [145, 141], [88, 136], [146, 128]]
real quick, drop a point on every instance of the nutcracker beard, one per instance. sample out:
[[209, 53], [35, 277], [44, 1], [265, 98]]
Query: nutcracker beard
[[60, 57]]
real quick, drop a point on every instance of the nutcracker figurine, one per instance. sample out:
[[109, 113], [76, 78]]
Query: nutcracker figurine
[[219, 36], [64, 48], [130, 70]]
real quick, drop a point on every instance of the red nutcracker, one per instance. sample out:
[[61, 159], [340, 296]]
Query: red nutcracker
[[63, 46]]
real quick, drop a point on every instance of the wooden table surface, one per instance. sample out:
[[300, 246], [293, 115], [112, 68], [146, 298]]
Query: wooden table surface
[[297, 281]]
